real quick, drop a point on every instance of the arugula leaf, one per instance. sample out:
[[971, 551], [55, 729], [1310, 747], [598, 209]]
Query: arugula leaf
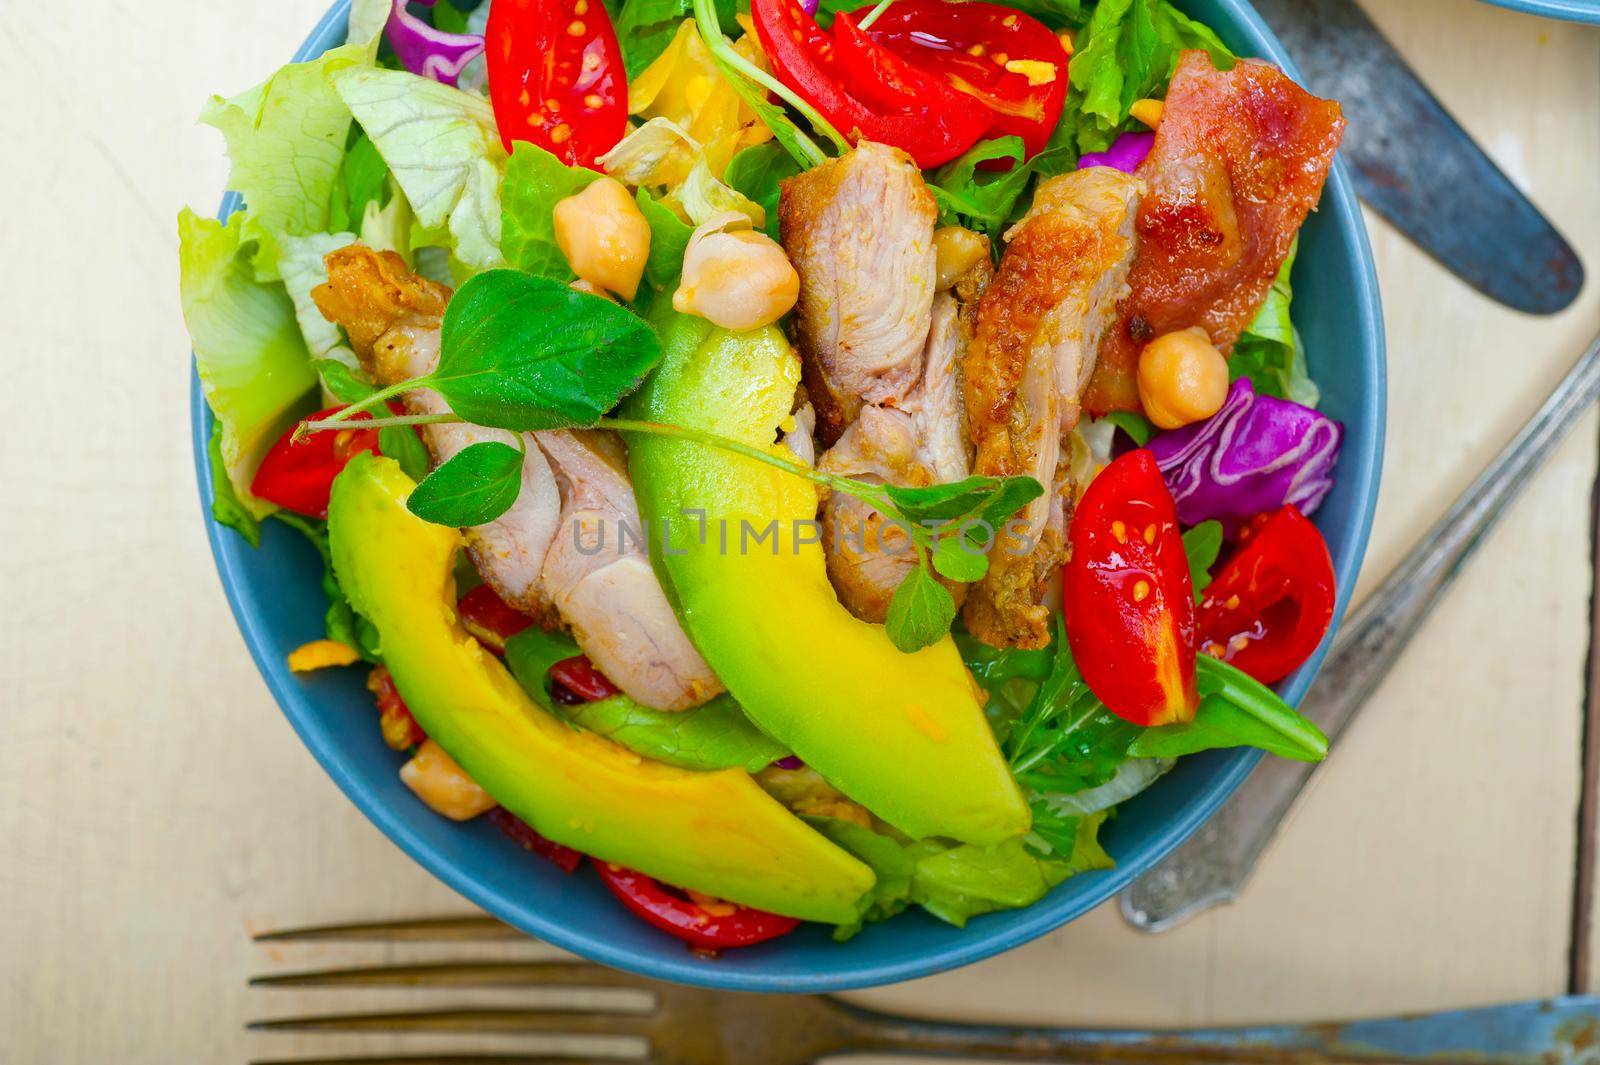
[[715, 735], [756, 172], [1269, 350], [920, 611], [1219, 723], [987, 202], [341, 622], [400, 442], [477, 485], [226, 507], [535, 181], [1202, 544], [362, 179], [520, 352], [1290, 734], [1127, 52]]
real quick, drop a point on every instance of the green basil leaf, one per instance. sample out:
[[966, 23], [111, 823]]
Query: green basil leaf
[[477, 485], [1139, 428], [957, 558], [1202, 544], [400, 443], [920, 611], [342, 381], [535, 182], [521, 352]]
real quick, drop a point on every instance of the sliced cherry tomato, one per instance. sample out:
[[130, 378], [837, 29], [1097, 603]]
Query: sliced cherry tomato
[[400, 730], [521, 832], [865, 90], [297, 474], [580, 679], [1009, 61], [1129, 600], [491, 619], [1272, 603], [708, 925], [556, 77]]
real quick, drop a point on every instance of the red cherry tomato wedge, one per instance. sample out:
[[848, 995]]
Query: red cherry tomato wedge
[[863, 89], [1271, 605], [1009, 61], [556, 77], [491, 619], [1129, 600], [522, 833], [713, 925], [579, 677], [400, 730], [297, 474]]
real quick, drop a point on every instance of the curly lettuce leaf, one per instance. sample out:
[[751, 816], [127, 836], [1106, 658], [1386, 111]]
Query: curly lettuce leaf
[[253, 363], [286, 142], [715, 735], [442, 148], [986, 201], [1127, 52]]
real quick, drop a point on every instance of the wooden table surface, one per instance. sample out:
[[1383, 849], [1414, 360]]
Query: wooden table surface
[[155, 807]]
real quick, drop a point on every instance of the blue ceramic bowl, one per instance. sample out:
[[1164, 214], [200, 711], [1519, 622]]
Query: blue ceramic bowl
[[277, 599], [1571, 10]]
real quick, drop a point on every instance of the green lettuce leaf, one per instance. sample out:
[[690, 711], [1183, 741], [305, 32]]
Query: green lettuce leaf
[[253, 363], [442, 148], [715, 735], [363, 178], [226, 507], [645, 28], [1269, 351], [986, 201], [300, 264], [286, 141], [756, 172], [1125, 53], [535, 182], [1202, 544], [669, 237]]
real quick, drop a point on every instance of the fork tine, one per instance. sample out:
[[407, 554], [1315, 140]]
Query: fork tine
[[562, 1022], [453, 1059], [448, 929], [553, 973]]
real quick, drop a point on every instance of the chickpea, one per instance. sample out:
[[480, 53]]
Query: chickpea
[[737, 279], [604, 236], [1182, 378], [443, 785], [956, 250]]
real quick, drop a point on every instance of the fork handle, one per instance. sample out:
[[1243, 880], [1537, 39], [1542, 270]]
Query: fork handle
[[1521, 1033], [1213, 865]]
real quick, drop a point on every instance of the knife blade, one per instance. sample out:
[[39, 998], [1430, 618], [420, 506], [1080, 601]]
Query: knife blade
[[1416, 166]]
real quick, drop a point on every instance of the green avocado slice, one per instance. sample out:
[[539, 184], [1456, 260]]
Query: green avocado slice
[[716, 832], [737, 547]]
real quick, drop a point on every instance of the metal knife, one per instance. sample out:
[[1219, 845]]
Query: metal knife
[[1417, 167]]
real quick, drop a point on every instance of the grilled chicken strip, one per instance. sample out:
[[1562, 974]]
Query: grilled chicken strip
[[859, 230], [543, 555], [393, 317], [599, 577], [1039, 326]]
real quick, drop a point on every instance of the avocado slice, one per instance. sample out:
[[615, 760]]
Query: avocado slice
[[716, 832], [904, 735]]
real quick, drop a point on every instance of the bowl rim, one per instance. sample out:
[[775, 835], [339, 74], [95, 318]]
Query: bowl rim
[[296, 702], [1567, 10]]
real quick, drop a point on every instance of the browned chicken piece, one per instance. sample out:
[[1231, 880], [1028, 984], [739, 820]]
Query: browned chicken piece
[[859, 230], [545, 555], [1039, 325], [393, 318], [1239, 160], [923, 441]]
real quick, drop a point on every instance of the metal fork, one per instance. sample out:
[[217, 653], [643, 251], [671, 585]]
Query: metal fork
[[694, 1026]]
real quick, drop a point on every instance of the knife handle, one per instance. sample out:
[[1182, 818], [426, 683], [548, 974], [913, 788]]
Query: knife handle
[[1212, 865]]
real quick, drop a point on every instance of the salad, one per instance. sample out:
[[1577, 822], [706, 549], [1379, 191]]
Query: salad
[[809, 460]]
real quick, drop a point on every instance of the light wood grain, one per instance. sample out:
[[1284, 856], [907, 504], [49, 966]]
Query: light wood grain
[[155, 807]]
